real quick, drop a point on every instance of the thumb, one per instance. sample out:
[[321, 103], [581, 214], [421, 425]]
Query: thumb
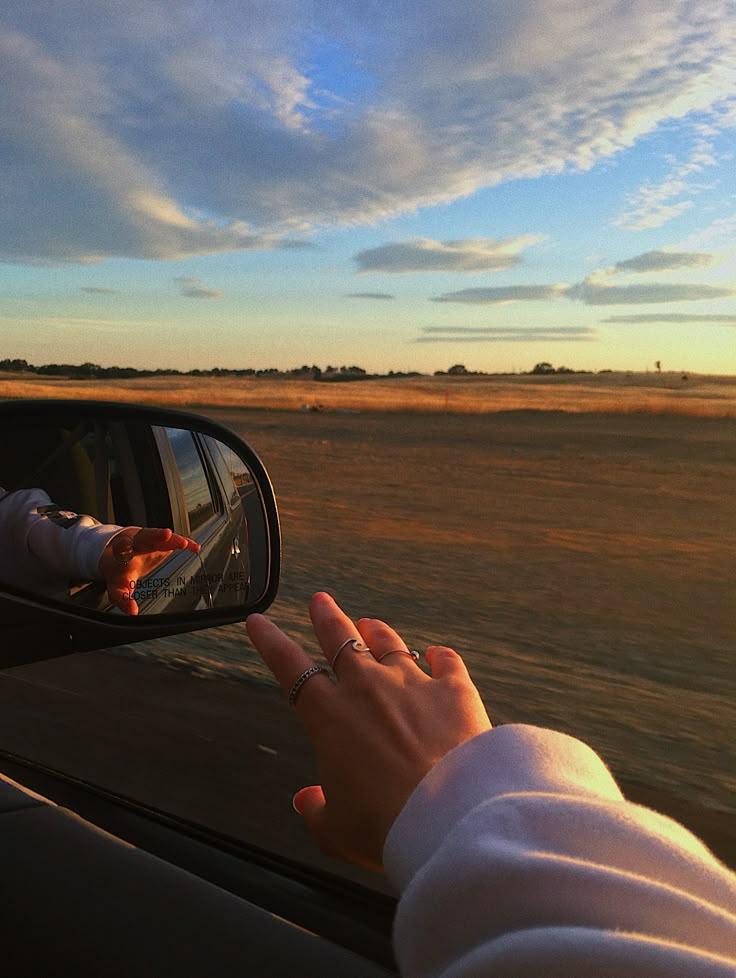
[[309, 802], [122, 598]]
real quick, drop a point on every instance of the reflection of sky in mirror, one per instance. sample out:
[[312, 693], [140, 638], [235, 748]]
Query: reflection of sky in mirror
[[237, 468], [194, 482], [233, 471]]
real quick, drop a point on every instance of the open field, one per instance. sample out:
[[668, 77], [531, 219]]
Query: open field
[[584, 564], [620, 393]]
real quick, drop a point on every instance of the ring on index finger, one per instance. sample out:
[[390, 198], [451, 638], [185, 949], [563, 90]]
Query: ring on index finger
[[356, 644], [305, 676]]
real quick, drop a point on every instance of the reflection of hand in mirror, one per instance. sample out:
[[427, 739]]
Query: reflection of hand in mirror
[[43, 547], [133, 554]]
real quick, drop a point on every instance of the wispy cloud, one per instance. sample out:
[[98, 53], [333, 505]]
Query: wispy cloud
[[98, 290], [506, 334], [194, 288], [465, 255], [155, 138], [79, 324], [663, 261], [654, 204], [651, 211], [369, 295], [497, 295], [721, 234], [675, 317]]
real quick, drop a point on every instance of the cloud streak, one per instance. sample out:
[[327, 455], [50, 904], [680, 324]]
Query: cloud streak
[[506, 334], [194, 288], [663, 261], [467, 255], [76, 323], [370, 295], [501, 294], [596, 289], [98, 290], [594, 292], [675, 317]]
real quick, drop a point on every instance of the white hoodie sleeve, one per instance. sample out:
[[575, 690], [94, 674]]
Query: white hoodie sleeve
[[518, 857], [42, 547]]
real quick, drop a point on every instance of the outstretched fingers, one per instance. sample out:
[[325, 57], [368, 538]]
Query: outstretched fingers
[[150, 539], [286, 659], [376, 731]]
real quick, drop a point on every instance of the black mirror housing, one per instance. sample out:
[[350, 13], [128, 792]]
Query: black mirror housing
[[89, 490]]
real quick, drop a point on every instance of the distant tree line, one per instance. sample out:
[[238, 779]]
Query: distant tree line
[[460, 370], [93, 371]]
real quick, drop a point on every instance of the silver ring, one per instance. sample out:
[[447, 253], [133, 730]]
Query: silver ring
[[357, 645], [123, 549], [413, 653], [305, 677]]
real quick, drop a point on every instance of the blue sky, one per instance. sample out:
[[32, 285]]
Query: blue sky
[[389, 184]]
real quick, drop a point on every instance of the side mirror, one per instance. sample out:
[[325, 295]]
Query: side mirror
[[121, 523]]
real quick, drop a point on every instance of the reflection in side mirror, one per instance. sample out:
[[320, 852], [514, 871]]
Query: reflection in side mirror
[[133, 512]]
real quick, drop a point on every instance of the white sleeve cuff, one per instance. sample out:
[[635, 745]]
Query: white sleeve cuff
[[506, 760]]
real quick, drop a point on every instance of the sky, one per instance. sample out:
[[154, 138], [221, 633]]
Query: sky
[[385, 183]]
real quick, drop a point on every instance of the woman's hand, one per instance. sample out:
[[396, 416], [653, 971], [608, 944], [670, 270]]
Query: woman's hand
[[376, 731], [133, 554]]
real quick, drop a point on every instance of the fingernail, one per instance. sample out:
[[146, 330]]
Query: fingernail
[[294, 804]]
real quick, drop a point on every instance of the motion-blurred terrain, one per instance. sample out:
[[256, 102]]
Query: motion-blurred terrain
[[584, 565]]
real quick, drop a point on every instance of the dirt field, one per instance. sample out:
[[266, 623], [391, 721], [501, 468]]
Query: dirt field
[[584, 564]]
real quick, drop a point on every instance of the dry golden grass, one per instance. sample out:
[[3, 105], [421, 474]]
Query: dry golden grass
[[618, 393]]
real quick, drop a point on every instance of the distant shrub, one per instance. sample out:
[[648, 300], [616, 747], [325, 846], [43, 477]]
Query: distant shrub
[[543, 368]]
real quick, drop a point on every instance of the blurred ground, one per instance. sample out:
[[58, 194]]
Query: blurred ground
[[583, 564]]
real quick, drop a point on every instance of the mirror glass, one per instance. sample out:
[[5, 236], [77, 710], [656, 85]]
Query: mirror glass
[[130, 518]]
